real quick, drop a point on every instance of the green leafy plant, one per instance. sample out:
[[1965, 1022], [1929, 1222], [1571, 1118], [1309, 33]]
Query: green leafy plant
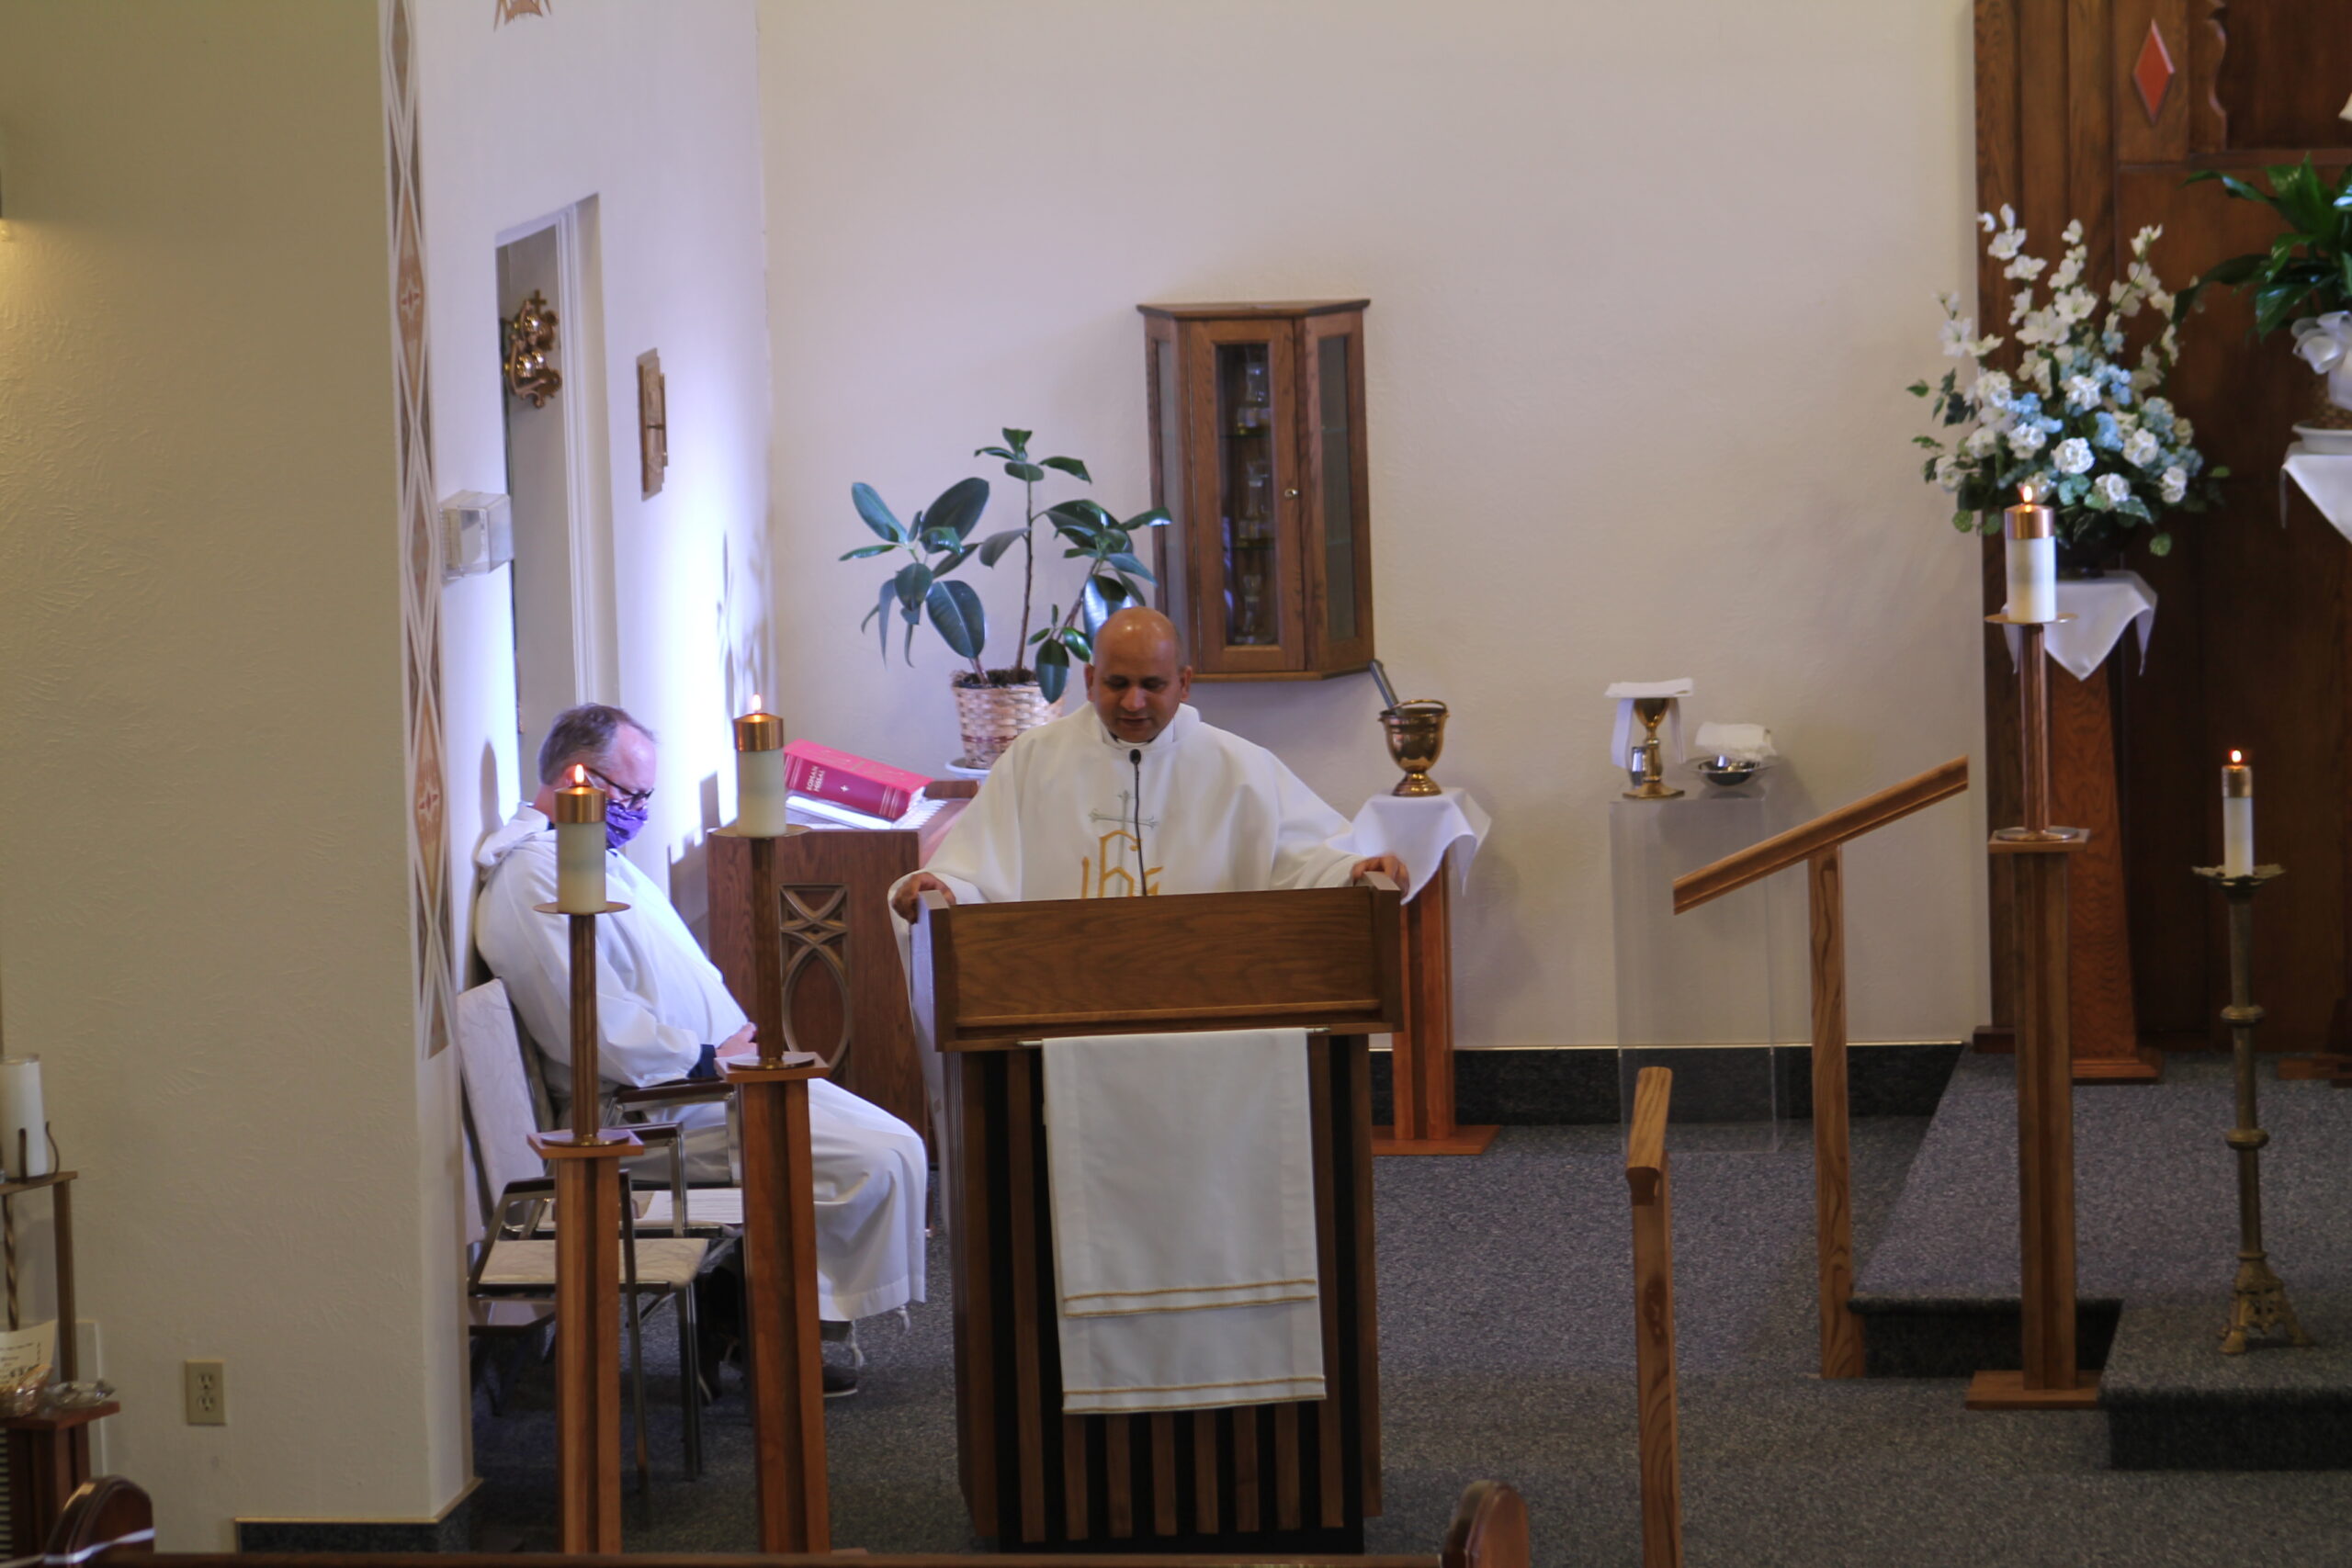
[[1113, 571], [2307, 271], [936, 546]]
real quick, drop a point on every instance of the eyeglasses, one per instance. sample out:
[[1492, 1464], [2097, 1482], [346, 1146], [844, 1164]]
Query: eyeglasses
[[634, 799]]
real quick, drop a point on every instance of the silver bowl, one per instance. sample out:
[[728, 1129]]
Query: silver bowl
[[1726, 771], [80, 1395]]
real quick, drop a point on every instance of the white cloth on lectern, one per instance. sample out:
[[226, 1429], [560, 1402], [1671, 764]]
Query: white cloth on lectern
[[2325, 477], [1418, 830], [1182, 1183], [2104, 608], [659, 1001]]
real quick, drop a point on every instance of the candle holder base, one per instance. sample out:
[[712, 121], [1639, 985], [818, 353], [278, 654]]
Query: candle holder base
[[558, 910], [735, 830], [2258, 1308], [2251, 879], [2013, 621], [2015, 840]]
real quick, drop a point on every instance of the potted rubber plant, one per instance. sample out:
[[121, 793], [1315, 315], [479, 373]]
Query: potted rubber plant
[[2303, 282], [994, 706]]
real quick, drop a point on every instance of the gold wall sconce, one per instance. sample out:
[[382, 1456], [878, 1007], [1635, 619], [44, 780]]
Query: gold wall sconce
[[653, 422], [530, 343]]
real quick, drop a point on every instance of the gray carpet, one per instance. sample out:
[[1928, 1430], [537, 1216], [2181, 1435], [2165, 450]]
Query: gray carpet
[[1506, 1351]]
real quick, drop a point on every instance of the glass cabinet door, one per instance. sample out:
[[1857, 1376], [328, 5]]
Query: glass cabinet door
[[1164, 393], [1338, 518], [1245, 500]]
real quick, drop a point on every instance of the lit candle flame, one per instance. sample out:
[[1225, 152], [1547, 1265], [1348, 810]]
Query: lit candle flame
[[579, 776], [2236, 757], [755, 703], [2025, 494]]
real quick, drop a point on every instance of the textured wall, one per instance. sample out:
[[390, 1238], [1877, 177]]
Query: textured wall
[[203, 885], [1647, 282], [653, 110]]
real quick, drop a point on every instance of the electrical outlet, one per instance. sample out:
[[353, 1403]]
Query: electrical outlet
[[208, 1394]]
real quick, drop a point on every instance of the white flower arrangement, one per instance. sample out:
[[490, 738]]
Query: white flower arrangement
[[2093, 437]]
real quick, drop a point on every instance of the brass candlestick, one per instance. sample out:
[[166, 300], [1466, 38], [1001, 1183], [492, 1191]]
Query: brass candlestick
[[1646, 762], [1416, 732], [2258, 1301]]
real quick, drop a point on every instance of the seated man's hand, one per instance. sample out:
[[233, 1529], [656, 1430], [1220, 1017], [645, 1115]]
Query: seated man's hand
[[738, 1043], [911, 895], [1388, 867]]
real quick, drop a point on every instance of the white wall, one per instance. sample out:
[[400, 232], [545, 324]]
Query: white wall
[[652, 111], [1647, 282], [203, 871]]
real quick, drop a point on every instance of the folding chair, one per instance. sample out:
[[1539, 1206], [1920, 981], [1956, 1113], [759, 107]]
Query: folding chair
[[511, 1264]]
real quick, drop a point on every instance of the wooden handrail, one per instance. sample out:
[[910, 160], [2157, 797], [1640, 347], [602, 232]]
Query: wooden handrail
[[1825, 832], [1645, 1141]]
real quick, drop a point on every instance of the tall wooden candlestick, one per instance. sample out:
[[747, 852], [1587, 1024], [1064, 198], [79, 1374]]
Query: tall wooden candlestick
[[588, 1189], [2050, 1378]]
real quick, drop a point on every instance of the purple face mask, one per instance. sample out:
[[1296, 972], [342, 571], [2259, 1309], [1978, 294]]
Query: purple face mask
[[621, 823]]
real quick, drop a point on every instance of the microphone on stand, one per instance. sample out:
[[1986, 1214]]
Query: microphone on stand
[[1143, 873]]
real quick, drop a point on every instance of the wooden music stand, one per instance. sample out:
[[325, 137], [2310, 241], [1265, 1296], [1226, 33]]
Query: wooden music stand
[[1820, 844], [1261, 1478]]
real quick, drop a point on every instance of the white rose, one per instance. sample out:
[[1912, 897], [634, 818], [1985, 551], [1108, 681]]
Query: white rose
[[1993, 390], [2176, 485], [1981, 440], [2073, 456], [1948, 472], [2184, 431], [2114, 487], [2140, 447], [2082, 391], [2025, 440], [2157, 409]]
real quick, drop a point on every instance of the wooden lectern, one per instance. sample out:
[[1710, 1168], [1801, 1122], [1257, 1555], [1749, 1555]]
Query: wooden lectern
[[1301, 1476]]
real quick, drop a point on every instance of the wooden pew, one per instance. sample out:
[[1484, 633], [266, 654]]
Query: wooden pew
[[111, 1520], [1660, 1441]]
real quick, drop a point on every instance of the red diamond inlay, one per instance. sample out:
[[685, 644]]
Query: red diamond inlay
[[2152, 73]]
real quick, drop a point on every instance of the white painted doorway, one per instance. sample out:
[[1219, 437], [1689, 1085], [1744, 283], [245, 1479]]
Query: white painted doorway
[[557, 480]]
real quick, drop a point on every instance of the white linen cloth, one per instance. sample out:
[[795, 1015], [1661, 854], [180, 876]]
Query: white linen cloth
[[2104, 608], [1182, 1187], [1418, 830], [1741, 742], [1621, 739], [2326, 477], [659, 1001]]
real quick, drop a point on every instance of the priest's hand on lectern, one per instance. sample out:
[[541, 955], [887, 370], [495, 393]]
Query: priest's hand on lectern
[[910, 895], [1388, 867]]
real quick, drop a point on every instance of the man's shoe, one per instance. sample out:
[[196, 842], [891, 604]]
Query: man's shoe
[[840, 1383]]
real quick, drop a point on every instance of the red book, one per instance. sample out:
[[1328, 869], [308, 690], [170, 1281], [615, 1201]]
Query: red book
[[822, 773]]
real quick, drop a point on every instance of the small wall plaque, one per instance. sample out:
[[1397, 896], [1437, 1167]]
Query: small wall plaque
[[653, 422]]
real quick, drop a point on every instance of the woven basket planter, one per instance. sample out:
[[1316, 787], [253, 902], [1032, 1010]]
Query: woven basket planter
[[993, 718]]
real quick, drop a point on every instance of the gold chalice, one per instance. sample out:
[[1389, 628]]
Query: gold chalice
[[1646, 762], [1416, 734]]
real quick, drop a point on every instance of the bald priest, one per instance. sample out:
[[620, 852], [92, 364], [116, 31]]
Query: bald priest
[[1133, 795]]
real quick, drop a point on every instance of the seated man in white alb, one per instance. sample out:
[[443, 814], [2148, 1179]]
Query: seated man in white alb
[[1134, 793], [664, 1013]]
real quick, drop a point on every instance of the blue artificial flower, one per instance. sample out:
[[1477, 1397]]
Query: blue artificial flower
[[2110, 434]]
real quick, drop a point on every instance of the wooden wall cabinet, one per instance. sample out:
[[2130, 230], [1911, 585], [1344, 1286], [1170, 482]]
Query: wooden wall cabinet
[[1258, 452]]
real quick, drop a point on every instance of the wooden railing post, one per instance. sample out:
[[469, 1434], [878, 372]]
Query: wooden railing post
[[1820, 844], [1833, 1220], [1660, 1441]]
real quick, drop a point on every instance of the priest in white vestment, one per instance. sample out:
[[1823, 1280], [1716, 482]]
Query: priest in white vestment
[[1133, 793], [664, 1013]]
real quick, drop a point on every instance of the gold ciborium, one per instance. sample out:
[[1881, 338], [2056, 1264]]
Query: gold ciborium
[[1646, 762], [1415, 733]]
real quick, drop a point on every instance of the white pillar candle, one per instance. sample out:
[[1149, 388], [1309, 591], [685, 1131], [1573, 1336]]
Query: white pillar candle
[[2032, 560], [24, 1123], [580, 846], [759, 775], [2237, 817]]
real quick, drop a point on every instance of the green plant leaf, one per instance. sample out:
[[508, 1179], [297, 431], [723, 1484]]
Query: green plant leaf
[[992, 548], [937, 539], [956, 615], [1918, 388], [959, 506], [911, 582], [1080, 645], [942, 569], [1027, 473], [1053, 671], [877, 517], [1019, 441], [862, 551], [991, 452], [1131, 567], [1155, 518], [882, 608], [1070, 466], [2160, 544]]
